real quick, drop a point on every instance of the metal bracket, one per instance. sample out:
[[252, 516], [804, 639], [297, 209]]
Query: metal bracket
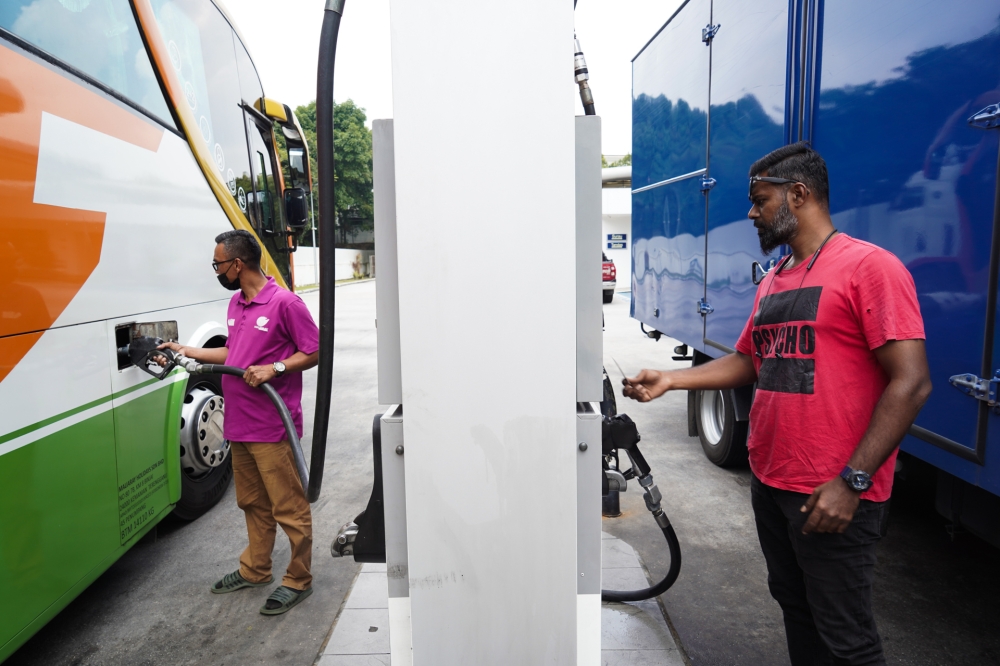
[[707, 184], [978, 388], [616, 481], [705, 308], [708, 32], [988, 118]]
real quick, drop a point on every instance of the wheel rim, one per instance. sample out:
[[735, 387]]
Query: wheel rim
[[203, 447], [713, 412]]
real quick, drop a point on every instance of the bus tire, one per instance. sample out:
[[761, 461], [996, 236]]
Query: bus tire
[[723, 438], [201, 490]]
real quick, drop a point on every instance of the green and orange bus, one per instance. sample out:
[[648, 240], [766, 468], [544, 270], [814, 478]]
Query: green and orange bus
[[132, 132]]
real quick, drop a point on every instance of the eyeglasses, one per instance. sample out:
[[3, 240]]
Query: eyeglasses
[[216, 264], [769, 179]]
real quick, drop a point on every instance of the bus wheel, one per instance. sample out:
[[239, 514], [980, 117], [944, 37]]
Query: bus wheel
[[206, 468], [723, 438]]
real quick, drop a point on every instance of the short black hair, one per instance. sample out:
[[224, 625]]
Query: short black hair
[[240, 243], [797, 161]]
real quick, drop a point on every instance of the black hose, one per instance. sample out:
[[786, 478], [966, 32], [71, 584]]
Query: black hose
[[279, 404], [327, 222], [663, 585]]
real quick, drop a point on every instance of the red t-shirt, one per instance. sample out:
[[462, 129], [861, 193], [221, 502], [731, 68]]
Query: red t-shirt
[[811, 339]]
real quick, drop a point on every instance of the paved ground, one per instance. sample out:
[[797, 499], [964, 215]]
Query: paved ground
[[153, 605], [937, 601], [631, 634]]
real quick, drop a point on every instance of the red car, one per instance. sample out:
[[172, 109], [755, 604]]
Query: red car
[[609, 274]]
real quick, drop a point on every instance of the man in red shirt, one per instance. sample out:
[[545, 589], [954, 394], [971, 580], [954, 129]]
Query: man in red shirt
[[835, 344]]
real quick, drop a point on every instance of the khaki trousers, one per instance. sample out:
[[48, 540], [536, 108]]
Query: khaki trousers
[[270, 493]]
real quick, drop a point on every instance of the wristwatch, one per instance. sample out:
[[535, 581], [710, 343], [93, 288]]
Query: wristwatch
[[279, 368], [856, 479]]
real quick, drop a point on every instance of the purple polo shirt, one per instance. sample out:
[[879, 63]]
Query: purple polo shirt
[[272, 327]]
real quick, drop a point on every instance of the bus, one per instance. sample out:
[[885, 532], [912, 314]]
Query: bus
[[132, 132]]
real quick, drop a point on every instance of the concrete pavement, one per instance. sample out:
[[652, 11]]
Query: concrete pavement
[[153, 605], [936, 600]]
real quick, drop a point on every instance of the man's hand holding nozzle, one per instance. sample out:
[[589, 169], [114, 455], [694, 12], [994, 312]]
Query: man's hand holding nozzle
[[160, 359], [647, 385]]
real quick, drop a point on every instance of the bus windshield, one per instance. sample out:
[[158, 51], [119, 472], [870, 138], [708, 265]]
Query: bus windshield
[[100, 39]]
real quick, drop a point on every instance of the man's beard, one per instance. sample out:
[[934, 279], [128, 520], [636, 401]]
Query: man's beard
[[781, 231]]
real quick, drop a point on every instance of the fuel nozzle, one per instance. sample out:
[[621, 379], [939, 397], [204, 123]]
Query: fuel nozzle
[[582, 77]]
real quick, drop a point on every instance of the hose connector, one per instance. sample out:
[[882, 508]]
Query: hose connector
[[343, 544], [336, 6], [651, 495], [582, 76], [192, 366], [580, 72]]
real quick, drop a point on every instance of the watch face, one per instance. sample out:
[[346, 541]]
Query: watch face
[[860, 481], [279, 367]]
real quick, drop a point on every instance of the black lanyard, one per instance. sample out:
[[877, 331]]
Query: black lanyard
[[798, 291]]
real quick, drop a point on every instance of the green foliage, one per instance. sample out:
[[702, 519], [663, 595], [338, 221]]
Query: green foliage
[[625, 161], [352, 144]]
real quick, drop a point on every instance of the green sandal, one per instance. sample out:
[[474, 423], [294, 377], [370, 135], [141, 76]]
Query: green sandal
[[234, 581], [282, 600]]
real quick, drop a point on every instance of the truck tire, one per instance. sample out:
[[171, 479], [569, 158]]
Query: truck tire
[[609, 296], [204, 478], [723, 438]]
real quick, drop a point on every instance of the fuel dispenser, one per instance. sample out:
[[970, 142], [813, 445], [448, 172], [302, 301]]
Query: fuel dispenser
[[380, 532], [486, 498]]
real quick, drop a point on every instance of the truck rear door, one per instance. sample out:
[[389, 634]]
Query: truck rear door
[[748, 120], [898, 84], [669, 130]]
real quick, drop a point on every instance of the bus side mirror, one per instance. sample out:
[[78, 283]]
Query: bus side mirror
[[296, 208]]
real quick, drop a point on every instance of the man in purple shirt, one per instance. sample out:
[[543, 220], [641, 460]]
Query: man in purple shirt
[[273, 336]]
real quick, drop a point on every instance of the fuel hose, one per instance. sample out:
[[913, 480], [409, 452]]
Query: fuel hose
[[279, 404], [656, 590], [327, 221]]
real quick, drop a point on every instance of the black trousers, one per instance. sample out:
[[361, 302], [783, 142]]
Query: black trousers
[[823, 582]]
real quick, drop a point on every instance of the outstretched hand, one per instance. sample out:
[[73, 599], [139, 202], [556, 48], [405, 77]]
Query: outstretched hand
[[831, 507], [646, 386]]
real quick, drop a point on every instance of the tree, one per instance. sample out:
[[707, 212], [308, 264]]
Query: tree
[[352, 144], [625, 161]]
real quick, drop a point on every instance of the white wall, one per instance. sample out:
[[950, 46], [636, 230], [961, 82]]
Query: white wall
[[616, 218], [344, 259], [491, 535]]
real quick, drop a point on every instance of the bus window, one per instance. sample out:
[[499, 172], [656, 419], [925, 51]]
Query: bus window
[[249, 81], [271, 221], [265, 202], [99, 39], [200, 43]]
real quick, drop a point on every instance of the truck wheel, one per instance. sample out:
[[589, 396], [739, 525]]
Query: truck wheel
[[609, 296], [723, 438], [206, 468]]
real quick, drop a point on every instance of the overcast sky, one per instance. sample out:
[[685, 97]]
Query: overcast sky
[[283, 39]]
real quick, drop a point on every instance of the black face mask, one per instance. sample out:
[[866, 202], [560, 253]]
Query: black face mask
[[231, 285]]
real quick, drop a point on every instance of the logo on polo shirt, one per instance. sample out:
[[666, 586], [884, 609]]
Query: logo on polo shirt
[[262, 324], [232, 322]]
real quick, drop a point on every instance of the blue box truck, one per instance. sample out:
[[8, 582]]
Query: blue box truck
[[902, 99]]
